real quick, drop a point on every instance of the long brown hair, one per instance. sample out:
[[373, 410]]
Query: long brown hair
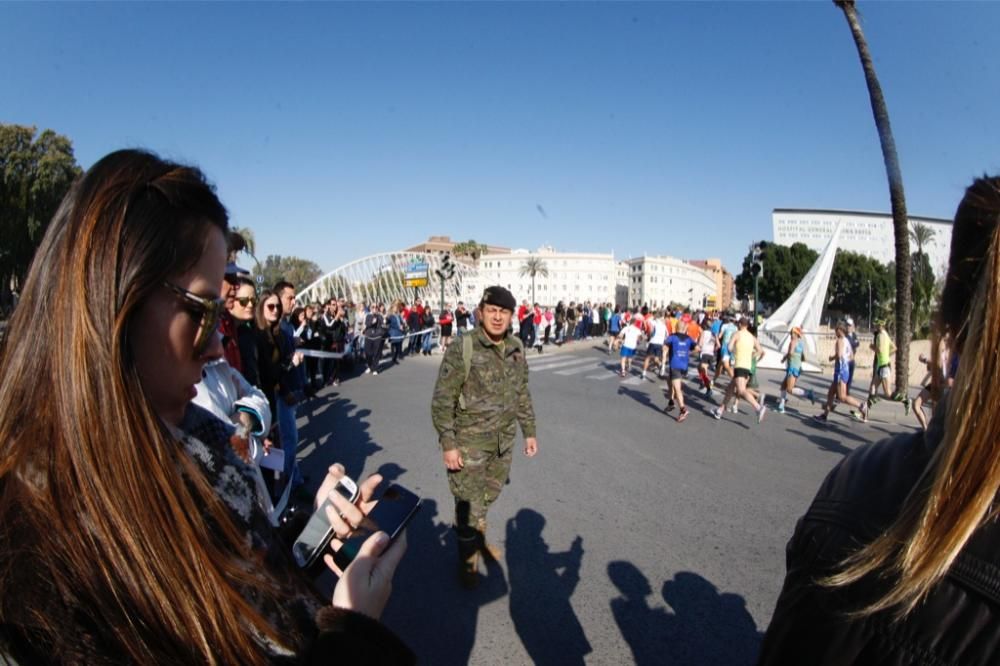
[[103, 518], [955, 495]]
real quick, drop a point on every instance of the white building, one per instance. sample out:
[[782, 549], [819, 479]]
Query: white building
[[659, 281], [572, 276], [869, 234]]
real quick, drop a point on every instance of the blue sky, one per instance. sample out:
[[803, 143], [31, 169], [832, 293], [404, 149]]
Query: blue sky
[[340, 130]]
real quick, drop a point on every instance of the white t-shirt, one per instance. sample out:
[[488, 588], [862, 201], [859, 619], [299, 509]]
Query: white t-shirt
[[707, 342], [659, 335], [631, 337]]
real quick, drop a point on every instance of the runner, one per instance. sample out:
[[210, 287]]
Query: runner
[[947, 367], [744, 348], [884, 347], [793, 358], [726, 333], [657, 331], [680, 345], [614, 328], [842, 357], [630, 340], [707, 343]]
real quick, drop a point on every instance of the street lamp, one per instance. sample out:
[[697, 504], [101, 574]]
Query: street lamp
[[869, 305]]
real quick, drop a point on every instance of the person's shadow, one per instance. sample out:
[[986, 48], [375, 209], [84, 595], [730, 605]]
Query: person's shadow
[[541, 584], [705, 627], [428, 608]]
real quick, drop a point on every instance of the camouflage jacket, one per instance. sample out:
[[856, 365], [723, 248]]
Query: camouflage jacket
[[495, 395]]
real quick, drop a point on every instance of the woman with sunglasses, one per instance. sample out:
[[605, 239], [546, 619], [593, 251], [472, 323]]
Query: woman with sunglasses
[[129, 530], [242, 311]]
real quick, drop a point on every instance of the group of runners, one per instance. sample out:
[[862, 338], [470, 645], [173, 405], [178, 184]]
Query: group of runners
[[675, 341], [725, 345]]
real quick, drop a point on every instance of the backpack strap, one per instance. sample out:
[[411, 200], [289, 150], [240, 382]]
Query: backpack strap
[[467, 364]]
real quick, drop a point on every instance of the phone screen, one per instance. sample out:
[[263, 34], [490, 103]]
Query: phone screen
[[308, 548], [393, 511]]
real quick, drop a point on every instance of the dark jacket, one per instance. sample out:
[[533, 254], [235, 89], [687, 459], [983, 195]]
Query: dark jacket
[[959, 623]]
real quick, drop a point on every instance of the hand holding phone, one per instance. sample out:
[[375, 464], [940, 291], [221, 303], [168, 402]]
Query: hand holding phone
[[323, 525]]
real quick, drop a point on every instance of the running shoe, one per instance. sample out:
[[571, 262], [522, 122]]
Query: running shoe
[[864, 413], [682, 415], [761, 412], [781, 408], [643, 374], [368, 371], [717, 413], [906, 407], [708, 391], [811, 396], [820, 417], [669, 407], [855, 415]]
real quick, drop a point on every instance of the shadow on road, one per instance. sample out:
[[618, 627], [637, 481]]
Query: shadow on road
[[825, 443], [428, 609], [541, 584], [339, 432], [700, 626]]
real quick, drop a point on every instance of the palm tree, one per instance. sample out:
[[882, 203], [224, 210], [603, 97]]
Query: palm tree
[[470, 248], [534, 266], [896, 196], [249, 245], [921, 234]]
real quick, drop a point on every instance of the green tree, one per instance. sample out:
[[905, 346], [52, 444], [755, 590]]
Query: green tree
[[534, 266], [35, 174], [470, 248], [848, 292], [896, 195], [300, 272], [784, 268]]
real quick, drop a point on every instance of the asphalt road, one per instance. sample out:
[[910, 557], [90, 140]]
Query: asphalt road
[[630, 538]]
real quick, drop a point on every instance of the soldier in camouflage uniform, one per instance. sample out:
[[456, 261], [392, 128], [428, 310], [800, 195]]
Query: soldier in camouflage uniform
[[478, 402]]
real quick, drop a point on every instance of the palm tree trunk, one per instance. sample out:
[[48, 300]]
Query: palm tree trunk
[[533, 299], [896, 196]]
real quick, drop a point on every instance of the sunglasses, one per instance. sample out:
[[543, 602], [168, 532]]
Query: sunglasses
[[271, 306], [244, 301], [207, 309]]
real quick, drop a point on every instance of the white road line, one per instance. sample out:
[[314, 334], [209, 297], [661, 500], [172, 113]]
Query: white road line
[[560, 364], [574, 371], [603, 375]]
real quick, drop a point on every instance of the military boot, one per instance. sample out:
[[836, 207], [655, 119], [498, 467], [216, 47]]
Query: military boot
[[490, 551], [468, 558]]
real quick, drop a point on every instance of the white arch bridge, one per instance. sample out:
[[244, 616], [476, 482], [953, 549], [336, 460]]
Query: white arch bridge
[[380, 278]]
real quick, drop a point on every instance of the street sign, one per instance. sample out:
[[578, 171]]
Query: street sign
[[416, 275]]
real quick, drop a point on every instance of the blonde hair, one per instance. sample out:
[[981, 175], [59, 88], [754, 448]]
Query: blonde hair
[[955, 494]]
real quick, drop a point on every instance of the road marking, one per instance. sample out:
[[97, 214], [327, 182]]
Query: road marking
[[603, 375], [574, 371], [560, 364]]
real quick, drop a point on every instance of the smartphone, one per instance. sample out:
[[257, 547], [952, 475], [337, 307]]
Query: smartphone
[[391, 515], [308, 549]]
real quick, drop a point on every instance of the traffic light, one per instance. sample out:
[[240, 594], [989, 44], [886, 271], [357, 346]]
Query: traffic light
[[757, 259], [447, 267]]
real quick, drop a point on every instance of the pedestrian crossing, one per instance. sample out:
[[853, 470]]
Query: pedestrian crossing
[[599, 369]]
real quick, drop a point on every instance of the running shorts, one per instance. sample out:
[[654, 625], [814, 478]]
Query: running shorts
[[842, 373], [654, 350], [884, 371], [678, 374], [793, 372], [742, 372], [708, 359], [628, 352]]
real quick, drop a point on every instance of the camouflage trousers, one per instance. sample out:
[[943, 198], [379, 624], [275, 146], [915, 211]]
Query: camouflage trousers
[[478, 484]]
